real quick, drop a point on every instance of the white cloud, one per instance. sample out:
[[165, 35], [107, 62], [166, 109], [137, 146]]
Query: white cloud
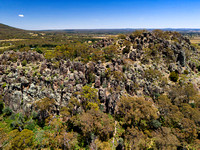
[[21, 15]]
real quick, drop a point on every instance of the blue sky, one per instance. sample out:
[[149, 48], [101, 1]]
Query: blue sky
[[100, 14]]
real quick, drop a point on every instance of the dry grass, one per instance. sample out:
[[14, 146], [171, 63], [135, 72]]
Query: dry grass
[[105, 36], [195, 40], [4, 47], [12, 40]]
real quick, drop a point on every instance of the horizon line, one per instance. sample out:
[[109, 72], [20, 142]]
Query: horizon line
[[62, 29], [140, 28]]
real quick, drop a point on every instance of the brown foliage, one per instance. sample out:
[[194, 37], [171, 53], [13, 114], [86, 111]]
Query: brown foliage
[[131, 111]]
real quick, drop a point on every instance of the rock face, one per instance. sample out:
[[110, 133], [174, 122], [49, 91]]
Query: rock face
[[138, 72]]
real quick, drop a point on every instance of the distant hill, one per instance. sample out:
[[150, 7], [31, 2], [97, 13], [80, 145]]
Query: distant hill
[[118, 31], [6, 28], [8, 32]]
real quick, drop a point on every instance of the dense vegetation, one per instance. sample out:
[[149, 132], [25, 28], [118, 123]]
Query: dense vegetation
[[145, 107], [138, 124]]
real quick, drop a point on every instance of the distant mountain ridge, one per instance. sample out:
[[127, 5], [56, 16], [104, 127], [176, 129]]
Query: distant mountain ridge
[[4, 28], [122, 30], [8, 32]]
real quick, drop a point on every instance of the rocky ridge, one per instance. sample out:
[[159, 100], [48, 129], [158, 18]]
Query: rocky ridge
[[142, 69]]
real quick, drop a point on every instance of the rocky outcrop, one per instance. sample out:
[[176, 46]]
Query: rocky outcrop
[[135, 73]]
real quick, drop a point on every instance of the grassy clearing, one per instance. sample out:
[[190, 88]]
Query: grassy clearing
[[12, 40], [195, 40], [4, 47]]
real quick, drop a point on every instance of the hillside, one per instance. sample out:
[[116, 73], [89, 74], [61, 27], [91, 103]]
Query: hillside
[[137, 91], [7, 32], [5, 28]]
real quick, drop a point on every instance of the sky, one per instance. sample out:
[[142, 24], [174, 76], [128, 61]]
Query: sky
[[100, 14]]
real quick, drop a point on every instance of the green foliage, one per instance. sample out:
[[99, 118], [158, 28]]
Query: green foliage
[[137, 33], [39, 50], [135, 139], [126, 50], [189, 134], [110, 52], [170, 114], [186, 72], [89, 97], [152, 75], [119, 76], [98, 55], [92, 105], [34, 114], [1, 105], [23, 140], [134, 125], [17, 121], [190, 113], [94, 122], [122, 36], [131, 111], [44, 107], [71, 109], [4, 85], [198, 67], [13, 57], [30, 125], [161, 34], [165, 139], [127, 43], [91, 78], [156, 124], [45, 104], [183, 93], [174, 76], [7, 111], [24, 62]]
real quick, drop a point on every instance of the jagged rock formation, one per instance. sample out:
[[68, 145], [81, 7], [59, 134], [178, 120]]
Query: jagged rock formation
[[142, 69]]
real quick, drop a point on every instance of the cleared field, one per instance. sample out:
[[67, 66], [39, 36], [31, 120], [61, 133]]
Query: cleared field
[[105, 36], [4, 47], [12, 40], [195, 40]]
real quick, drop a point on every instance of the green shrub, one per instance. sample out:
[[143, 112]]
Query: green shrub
[[7, 111], [24, 62], [90, 97], [1, 106], [20, 117], [30, 125], [110, 52], [119, 76], [156, 124], [39, 50], [13, 117], [34, 115], [126, 50], [186, 72], [121, 36], [152, 75], [138, 32], [91, 78], [4, 85], [104, 85], [198, 68], [174, 76], [16, 124], [23, 140]]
